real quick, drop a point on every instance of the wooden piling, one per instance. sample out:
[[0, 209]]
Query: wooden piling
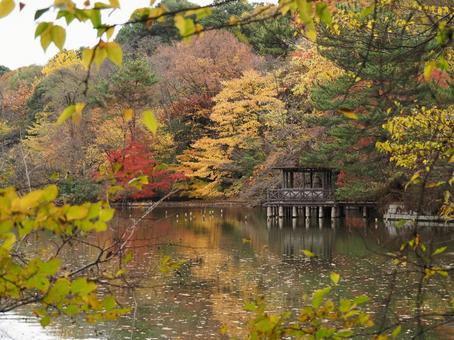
[[294, 212], [269, 212]]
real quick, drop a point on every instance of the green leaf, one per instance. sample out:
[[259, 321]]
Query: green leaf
[[58, 34], [264, 325], [50, 267], [114, 53], [396, 331], [127, 258], [250, 307], [366, 11], [318, 295], [6, 7], [25, 228], [150, 121], [344, 333], [82, 287], [95, 17], [76, 212], [41, 28], [323, 13], [335, 277], [45, 321], [40, 12], [324, 333], [361, 299], [58, 291], [68, 112], [308, 253], [439, 250], [109, 303]]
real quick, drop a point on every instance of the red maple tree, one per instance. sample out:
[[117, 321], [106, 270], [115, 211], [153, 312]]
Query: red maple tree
[[133, 161]]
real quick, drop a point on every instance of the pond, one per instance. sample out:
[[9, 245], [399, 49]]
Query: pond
[[232, 256]]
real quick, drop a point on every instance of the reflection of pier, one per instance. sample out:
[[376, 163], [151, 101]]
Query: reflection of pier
[[292, 241], [308, 192]]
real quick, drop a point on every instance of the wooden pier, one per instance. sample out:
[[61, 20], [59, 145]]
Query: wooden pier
[[309, 192]]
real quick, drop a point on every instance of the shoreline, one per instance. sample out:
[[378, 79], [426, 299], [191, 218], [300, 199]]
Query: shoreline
[[190, 204]]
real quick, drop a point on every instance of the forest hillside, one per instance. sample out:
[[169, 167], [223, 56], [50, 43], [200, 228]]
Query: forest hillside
[[231, 104]]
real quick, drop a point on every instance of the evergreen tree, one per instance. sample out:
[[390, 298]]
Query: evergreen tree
[[381, 52]]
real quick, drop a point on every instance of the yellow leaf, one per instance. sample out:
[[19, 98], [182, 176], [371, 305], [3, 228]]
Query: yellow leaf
[[58, 35], [110, 31], [150, 121], [76, 117], [335, 277], [76, 212], [114, 3], [6, 7], [100, 55], [77, 114], [114, 53], [28, 201], [185, 26], [349, 114], [50, 193], [308, 253], [128, 114], [428, 69], [79, 107], [68, 112], [9, 241], [46, 39], [87, 57]]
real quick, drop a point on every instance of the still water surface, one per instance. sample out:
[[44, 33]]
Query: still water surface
[[232, 256]]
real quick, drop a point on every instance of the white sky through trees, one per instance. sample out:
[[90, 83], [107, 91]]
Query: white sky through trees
[[17, 32]]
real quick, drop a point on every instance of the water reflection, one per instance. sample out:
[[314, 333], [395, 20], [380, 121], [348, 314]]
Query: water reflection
[[232, 255]]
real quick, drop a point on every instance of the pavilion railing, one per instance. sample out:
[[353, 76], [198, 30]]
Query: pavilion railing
[[299, 195]]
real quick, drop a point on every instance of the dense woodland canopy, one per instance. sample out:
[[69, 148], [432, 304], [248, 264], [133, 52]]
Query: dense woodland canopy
[[231, 103]]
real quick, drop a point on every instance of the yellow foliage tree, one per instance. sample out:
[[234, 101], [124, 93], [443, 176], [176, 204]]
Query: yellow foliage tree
[[244, 115], [63, 59], [423, 141]]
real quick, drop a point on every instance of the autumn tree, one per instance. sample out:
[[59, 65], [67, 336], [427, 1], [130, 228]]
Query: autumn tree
[[63, 59], [422, 143], [244, 115], [190, 74], [136, 173]]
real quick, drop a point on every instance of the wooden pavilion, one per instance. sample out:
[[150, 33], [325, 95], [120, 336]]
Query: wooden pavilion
[[307, 191]]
